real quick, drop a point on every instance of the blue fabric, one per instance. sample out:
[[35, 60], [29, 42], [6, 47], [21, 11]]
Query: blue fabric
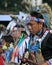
[[37, 19], [11, 49], [7, 55], [34, 48]]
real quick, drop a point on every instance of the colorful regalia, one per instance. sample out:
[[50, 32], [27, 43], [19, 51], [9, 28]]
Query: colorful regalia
[[19, 50]]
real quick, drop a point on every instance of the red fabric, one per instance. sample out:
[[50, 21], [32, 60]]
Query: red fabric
[[1, 61], [15, 54]]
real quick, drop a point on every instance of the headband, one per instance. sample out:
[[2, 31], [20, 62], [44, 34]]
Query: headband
[[29, 18]]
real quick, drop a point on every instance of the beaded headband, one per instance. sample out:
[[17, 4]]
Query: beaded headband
[[29, 18]]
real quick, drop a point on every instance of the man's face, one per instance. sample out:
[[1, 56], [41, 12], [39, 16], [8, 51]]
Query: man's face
[[34, 27]]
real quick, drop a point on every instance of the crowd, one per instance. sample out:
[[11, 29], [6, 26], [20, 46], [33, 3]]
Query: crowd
[[27, 41]]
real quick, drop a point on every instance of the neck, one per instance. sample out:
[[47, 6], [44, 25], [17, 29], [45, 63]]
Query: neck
[[39, 32]]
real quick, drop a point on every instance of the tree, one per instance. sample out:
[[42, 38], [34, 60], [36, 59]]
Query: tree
[[16, 6]]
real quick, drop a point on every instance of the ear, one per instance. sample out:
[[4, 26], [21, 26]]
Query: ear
[[40, 26]]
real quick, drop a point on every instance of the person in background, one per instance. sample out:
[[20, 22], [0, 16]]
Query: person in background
[[7, 46], [21, 43]]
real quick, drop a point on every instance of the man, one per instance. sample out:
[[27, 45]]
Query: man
[[34, 24], [38, 30]]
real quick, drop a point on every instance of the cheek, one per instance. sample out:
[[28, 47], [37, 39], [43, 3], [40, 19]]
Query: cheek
[[40, 26], [35, 28]]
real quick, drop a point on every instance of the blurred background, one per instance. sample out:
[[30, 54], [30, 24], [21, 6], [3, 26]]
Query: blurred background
[[14, 6]]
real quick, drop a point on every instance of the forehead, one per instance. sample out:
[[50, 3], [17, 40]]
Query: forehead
[[32, 23]]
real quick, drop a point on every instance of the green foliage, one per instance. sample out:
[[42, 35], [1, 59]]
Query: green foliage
[[19, 7], [49, 2]]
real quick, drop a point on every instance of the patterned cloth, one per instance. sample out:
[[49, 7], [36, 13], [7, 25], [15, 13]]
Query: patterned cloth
[[19, 50], [33, 47]]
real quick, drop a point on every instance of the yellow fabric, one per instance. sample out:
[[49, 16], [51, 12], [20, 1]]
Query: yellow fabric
[[4, 47]]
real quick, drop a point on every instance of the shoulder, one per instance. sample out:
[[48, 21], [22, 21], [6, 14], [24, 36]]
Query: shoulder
[[50, 37], [47, 42]]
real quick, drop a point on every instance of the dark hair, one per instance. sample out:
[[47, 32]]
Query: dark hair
[[8, 38], [44, 25], [36, 14], [18, 26]]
